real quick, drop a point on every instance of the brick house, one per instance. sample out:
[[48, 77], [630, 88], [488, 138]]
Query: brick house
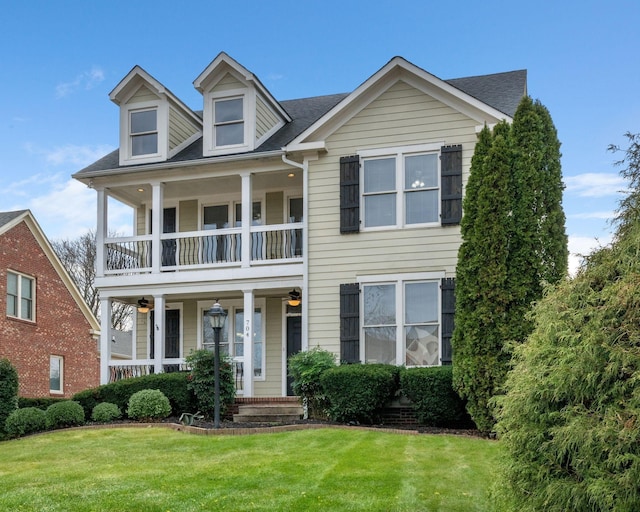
[[47, 332]]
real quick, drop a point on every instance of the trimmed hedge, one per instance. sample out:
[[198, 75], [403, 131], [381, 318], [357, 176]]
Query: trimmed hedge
[[432, 397], [25, 421], [106, 412], [357, 392], [148, 405], [173, 385], [64, 414], [40, 403], [8, 391]]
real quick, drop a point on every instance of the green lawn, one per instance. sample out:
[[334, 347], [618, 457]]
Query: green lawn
[[157, 469]]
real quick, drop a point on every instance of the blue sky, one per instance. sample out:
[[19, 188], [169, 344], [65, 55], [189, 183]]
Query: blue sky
[[60, 59]]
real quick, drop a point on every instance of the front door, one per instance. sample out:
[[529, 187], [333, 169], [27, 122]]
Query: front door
[[171, 334], [294, 344]]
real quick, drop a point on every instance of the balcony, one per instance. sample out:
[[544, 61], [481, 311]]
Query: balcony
[[275, 243]]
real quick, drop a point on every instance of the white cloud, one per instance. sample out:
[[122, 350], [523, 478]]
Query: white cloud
[[85, 80], [602, 215], [593, 184], [79, 156], [580, 246]]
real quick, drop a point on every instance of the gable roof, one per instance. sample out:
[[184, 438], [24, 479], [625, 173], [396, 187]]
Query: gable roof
[[9, 220], [496, 95]]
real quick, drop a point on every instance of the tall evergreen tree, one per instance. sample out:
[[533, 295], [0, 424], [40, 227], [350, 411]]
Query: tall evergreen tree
[[513, 242], [482, 296]]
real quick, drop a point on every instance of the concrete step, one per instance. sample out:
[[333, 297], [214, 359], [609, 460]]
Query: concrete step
[[268, 413]]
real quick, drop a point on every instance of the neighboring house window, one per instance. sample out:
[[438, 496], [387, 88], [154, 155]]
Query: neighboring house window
[[56, 373], [144, 132], [234, 348], [401, 187], [401, 329], [228, 127], [20, 296]]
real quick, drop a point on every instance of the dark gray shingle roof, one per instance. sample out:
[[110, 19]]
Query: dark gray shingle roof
[[501, 91], [6, 217]]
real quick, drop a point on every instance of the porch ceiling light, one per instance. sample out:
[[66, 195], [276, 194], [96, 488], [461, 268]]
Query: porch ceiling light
[[217, 316], [143, 305], [294, 298]]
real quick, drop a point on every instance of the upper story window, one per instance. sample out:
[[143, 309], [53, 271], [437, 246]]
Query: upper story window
[[143, 130], [400, 189], [20, 296], [228, 122]]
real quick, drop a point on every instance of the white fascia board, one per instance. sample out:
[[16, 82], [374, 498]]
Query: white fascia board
[[319, 145]]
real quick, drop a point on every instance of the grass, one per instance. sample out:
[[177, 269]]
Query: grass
[[156, 469]]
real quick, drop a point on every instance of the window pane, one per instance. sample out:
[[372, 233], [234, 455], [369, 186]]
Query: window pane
[[380, 345], [239, 334], [421, 206], [144, 144], [421, 171], [228, 110], [216, 217], [12, 283], [12, 294], [295, 209], [228, 134], [380, 210], [144, 121], [256, 214], [421, 302], [380, 304], [379, 175], [55, 381], [422, 345], [27, 288]]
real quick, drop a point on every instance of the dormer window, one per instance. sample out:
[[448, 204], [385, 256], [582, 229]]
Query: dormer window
[[228, 122], [144, 132]]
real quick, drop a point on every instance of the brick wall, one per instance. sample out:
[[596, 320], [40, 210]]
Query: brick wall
[[60, 328]]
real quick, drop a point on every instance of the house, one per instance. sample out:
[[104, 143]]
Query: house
[[349, 204], [47, 332]]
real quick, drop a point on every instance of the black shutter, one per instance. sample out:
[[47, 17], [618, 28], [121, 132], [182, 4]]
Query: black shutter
[[451, 178], [350, 323], [350, 194], [447, 286]]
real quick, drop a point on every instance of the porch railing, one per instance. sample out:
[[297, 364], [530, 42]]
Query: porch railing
[[201, 249]]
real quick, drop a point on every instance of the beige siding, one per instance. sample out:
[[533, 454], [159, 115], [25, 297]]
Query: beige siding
[[275, 207], [400, 116], [272, 385], [188, 215], [143, 94], [265, 118], [190, 326], [180, 128], [141, 221], [141, 335], [227, 83]]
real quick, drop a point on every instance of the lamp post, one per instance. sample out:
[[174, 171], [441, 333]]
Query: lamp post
[[217, 317]]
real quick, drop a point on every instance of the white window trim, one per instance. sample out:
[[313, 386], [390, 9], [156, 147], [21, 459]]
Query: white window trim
[[33, 299], [60, 360], [399, 153], [248, 96], [231, 306], [162, 119], [399, 280]]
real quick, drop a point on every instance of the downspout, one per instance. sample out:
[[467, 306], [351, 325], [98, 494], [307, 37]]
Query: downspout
[[304, 166]]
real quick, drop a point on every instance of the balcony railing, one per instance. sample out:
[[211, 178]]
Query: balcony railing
[[198, 249]]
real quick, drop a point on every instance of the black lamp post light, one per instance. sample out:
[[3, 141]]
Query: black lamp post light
[[217, 316]]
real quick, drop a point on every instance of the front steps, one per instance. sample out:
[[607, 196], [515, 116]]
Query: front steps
[[282, 411]]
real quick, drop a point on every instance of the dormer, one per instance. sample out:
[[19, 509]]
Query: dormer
[[154, 124], [239, 112]]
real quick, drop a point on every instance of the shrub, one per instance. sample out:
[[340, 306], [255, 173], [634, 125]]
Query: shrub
[[148, 405], [64, 414], [106, 412], [306, 368], [25, 421], [8, 391], [173, 385], [40, 402], [432, 397], [358, 392], [202, 382]]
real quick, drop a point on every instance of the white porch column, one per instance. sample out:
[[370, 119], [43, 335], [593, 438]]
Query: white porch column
[[247, 218], [248, 341], [158, 333], [156, 226], [101, 230], [105, 339]]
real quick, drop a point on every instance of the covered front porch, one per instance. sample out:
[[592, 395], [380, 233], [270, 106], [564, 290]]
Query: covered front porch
[[258, 345]]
